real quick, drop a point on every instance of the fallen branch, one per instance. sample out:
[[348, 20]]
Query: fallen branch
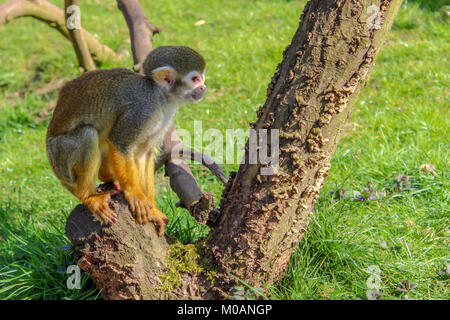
[[47, 89]]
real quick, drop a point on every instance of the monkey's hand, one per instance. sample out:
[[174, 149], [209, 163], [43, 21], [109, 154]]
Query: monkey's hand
[[99, 206], [140, 205]]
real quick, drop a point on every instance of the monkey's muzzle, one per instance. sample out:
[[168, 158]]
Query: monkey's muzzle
[[198, 93]]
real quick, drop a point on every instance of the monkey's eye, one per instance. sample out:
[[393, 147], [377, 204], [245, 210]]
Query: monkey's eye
[[195, 79]]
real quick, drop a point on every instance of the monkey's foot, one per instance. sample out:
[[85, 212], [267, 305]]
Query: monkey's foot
[[159, 219], [140, 206], [117, 185], [98, 205]]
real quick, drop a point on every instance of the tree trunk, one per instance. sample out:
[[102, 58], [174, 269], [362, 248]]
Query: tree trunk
[[262, 216], [309, 100]]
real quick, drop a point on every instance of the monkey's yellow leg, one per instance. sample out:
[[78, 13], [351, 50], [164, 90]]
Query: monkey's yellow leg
[[158, 217], [106, 171], [85, 191], [126, 173]]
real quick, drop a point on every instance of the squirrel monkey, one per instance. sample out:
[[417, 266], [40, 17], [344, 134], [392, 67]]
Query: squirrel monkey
[[110, 123]]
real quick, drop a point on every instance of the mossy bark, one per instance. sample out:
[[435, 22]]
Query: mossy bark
[[262, 217], [129, 261]]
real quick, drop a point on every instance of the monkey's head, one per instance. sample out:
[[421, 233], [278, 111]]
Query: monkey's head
[[178, 70]]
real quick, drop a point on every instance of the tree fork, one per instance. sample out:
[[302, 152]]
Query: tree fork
[[263, 218]]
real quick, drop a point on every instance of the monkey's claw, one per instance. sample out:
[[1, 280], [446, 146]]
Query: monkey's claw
[[160, 220], [99, 206]]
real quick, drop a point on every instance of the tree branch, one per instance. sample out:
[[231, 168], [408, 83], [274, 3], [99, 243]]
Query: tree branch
[[54, 17], [76, 36], [309, 100], [183, 182], [193, 155], [141, 30], [129, 261]]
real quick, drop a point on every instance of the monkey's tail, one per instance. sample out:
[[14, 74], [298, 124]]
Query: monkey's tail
[[193, 155]]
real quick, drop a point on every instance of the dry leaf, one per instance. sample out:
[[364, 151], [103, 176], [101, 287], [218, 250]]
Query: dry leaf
[[428, 168], [384, 245], [199, 23], [410, 223]]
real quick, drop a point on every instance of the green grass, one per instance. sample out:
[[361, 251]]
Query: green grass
[[399, 123]]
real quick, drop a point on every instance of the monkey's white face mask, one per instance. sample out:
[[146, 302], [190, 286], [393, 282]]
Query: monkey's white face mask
[[195, 81], [191, 87]]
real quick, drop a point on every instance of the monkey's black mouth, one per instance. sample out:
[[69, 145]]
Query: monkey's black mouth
[[197, 95]]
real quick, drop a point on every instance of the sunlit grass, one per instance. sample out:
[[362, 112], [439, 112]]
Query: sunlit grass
[[399, 123]]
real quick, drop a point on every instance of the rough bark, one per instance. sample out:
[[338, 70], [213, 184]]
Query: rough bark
[[263, 218], [129, 261], [309, 100]]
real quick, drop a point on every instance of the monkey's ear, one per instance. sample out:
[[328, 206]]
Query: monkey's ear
[[164, 76]]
